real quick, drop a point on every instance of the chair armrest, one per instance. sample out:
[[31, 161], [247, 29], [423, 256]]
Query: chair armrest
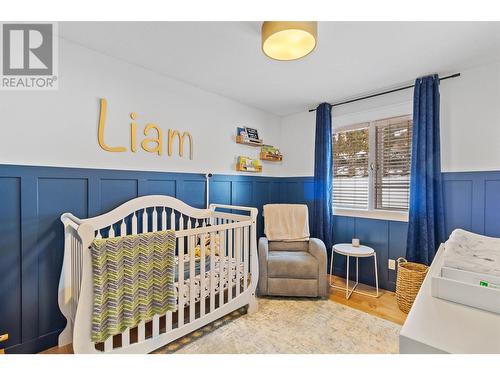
[[263, 251], [318, 250]]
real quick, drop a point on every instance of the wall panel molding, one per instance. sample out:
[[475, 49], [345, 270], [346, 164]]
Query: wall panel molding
[[31, 248], [33, 198]]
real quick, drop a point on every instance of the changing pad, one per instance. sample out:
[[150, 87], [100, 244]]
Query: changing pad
[[472, 252]]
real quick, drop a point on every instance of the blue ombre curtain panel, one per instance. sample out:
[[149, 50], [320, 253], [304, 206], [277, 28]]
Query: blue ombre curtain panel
[[426, 218], [322, 219]]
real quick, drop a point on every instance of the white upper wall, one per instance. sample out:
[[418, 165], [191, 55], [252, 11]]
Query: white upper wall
[[470, 118], [59, 128], [470, 123]]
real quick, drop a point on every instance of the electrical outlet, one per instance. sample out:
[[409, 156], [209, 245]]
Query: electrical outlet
[[392, 264]]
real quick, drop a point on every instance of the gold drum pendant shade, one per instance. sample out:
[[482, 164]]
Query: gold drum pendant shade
[[288, 40]]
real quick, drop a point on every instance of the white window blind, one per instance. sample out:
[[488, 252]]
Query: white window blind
[[392, 163], [351, 168]]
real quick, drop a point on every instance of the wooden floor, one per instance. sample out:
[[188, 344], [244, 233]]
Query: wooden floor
[[68, 349], [384, 307]]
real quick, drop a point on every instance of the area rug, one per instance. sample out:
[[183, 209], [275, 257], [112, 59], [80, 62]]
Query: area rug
[[298, 326]]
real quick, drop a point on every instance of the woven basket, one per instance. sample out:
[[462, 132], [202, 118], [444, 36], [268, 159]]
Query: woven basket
[[409, 280]]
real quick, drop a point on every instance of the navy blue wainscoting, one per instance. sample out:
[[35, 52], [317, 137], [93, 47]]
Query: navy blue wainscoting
[[31, 235], [471, 199], [472, 202]]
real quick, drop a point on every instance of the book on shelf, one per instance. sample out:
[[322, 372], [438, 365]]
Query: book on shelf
[[268, 152], [248, 136], [248, 164]]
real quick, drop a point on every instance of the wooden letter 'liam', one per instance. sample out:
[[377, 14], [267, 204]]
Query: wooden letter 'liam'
[[100, 132]]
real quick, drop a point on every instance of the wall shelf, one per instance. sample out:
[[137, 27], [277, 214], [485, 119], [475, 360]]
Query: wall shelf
[[240, 168], [270, 157], [247, 164]]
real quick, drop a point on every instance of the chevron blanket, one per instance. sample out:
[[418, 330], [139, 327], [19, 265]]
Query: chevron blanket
[[133, 280]]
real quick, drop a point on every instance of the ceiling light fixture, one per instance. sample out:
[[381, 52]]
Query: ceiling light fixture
[[288, 40]]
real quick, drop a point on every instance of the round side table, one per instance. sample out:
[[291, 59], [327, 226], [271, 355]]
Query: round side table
[[349, 251]]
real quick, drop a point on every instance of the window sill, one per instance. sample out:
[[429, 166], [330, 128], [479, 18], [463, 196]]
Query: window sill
[[373, 214]]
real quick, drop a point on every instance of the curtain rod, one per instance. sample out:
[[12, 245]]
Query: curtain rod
[[384, 92]]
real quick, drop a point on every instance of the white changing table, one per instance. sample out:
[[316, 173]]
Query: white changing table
[[435, 325]]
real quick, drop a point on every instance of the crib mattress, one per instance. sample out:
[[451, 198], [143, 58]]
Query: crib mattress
[[472, 252], [221, 267]]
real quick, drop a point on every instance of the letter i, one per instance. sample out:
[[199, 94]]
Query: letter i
[[133, 132]]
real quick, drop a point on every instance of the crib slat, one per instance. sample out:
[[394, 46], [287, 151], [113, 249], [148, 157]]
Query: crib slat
[[141, 331], [111, 232], [163, 219], [155, 220], [222, 262], [192, 302], [202, 275], [126, 337], [230, 265], [168, 323], [212, 271], [172, 220], [98, 235], [180, 310], [145, 221], [245, 256], [223, 240], [123, 228], [108, 344], [156, 326], [134, 223], [237, 250]]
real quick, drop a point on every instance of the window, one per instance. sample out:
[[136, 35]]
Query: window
[[371, 166], [350, 168], [392, 164]]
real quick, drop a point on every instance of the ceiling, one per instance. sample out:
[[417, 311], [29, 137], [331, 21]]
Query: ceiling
[[351, 58]]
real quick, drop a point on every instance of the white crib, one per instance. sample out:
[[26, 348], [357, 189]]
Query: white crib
[[229, 284]]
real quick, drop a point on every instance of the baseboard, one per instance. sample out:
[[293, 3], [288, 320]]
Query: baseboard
[[36, 345]]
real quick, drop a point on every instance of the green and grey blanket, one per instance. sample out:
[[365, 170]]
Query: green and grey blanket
[[133, 280]]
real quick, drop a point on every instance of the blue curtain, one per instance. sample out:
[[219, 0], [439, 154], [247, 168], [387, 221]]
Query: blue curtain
[[322, 219], [426, 217]]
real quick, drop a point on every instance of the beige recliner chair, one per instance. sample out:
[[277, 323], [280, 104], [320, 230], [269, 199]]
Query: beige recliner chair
[[291, 263]]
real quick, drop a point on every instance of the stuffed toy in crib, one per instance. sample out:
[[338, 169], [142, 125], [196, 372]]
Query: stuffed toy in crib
[[208, 239]]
